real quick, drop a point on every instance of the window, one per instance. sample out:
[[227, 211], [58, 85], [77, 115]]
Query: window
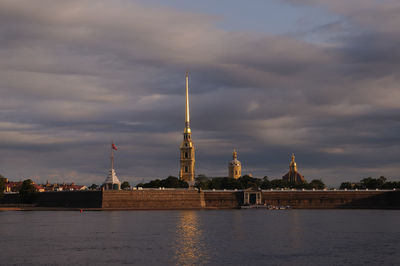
[[186, 155], [186, 169]]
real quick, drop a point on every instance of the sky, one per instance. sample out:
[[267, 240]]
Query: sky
[[318, 78]]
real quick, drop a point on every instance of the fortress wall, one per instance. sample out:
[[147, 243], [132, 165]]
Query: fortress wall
[[223, 200], [170, 199], [334, 199], [70, 199], [151, 199], [192, 199]]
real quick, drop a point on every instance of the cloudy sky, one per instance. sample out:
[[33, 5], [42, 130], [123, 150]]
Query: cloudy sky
[[319, 78]]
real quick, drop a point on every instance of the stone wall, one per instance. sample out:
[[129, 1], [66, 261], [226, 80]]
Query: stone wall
[[223, 200], [152, 199], [171, 199], [334, 199]]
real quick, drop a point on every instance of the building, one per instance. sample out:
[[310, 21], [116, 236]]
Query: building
[[293, 176], [12, 186], [186, 172], [62, 187], [235, 167], [112, 182]]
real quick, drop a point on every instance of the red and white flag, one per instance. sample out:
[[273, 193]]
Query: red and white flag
[[114, 147]]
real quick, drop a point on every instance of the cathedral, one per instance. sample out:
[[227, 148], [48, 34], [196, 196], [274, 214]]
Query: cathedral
[[186, 172], [235, 167], [187, 156], [293, 175]]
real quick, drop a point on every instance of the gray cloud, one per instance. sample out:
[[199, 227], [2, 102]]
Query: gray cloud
[[76, 74]]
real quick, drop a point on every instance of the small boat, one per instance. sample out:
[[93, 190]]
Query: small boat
[[268, 207]]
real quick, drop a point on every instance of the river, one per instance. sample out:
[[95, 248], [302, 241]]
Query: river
[[205, 237]]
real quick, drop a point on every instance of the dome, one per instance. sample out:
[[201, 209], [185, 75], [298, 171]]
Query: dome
[[235, 162]]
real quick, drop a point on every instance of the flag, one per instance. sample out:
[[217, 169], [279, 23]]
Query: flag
[[114, 147]]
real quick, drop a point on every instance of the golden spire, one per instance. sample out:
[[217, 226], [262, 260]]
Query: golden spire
[[187, 115], [234, 154], [293, 165]]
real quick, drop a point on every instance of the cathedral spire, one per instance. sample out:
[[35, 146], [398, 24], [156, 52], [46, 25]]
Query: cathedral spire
[[293, 165], [187, 113], [187, 160]]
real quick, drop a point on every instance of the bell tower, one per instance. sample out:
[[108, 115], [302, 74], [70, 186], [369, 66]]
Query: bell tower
[[235, 167], [187, 160]]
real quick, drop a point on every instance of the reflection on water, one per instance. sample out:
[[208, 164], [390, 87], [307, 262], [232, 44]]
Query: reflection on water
[[295, 231], [189, 247]]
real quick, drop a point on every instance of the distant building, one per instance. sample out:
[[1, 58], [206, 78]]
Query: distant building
[[293, 175], [38, 188], [16, 186], [235, 167], [186, 172], [73, 187], [112, 182], [12, 186]]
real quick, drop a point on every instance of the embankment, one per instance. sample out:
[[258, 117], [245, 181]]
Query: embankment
[[168, 199]]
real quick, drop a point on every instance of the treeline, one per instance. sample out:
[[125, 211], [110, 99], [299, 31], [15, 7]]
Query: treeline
[[371, 183], [169, 182], [244, 182]]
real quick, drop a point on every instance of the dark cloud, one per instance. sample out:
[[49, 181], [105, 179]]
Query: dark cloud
[[77, 74]]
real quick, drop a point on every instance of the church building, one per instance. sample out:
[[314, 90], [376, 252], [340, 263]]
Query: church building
[[186, 172], [293, 175]]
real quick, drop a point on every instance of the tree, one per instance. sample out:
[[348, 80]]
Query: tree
[[346, 185], [125, 185], [391, 185], [266, 184], [27, 191], [278, 183], [94, 187], [373, 183], [169, 182], [316, 184], [248, 182], [202, 182], [2, 185]]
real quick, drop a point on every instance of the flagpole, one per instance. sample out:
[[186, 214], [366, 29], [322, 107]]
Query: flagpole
[[112, 157]]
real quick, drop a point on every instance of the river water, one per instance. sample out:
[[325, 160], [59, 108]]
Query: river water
[[219, 237]]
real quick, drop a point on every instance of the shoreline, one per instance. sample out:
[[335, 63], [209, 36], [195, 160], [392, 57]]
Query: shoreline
[[6, 209], [202, 200]]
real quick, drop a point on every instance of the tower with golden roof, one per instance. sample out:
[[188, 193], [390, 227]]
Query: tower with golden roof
[[187, 150], [235, 167]]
